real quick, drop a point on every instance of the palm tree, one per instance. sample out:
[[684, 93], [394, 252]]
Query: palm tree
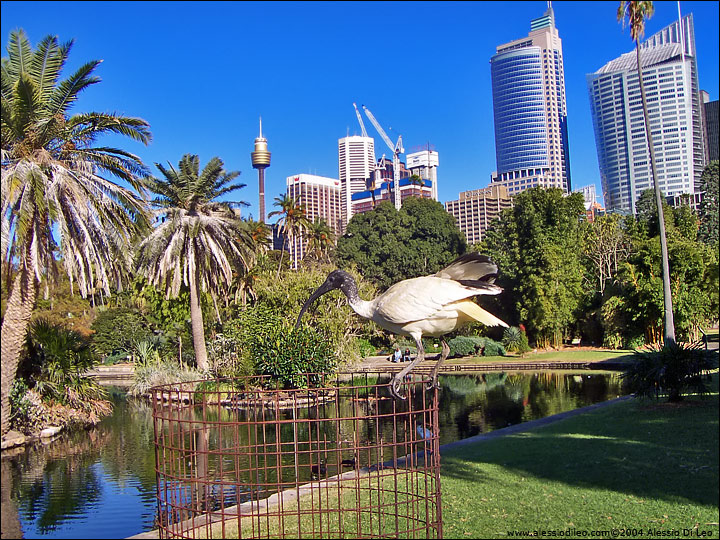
[[199, 241], [244, 285], [53, 194], [636, 12], [293, 221], [320, 238], [260, 234]]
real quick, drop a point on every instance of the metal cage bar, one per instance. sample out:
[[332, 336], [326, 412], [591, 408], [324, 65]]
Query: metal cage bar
[[340, 458]]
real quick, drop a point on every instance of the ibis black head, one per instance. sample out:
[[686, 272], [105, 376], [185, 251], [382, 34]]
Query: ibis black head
[[337, 279]]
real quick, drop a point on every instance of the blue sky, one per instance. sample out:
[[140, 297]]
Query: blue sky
[[201, 73]]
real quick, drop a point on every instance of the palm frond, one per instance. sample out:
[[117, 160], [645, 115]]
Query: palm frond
[[19, 53], [26, 104], [88, 126], [66, 93], [46, 64]]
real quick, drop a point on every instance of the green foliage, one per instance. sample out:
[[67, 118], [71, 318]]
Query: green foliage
[[670, 370], [515, 340], [492, 348], [57, 358], [635, 342], [331, 314], [709, 214], [167, 314], [116, 330], [634, 305], [288, 354], [535, 245], [387, 245], [614, 321], [474, 345], [20, 405], [365, 348], [262, 341], [464, 345]]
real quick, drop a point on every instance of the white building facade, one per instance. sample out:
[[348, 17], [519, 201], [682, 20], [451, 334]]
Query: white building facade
[[671, 86], [356, 167], [321, 197]]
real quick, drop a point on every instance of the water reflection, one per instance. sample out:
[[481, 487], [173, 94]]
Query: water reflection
[[474, 404], [86, 484], [100, 483]]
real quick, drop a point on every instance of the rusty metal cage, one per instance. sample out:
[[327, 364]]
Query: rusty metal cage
[[339, 458]]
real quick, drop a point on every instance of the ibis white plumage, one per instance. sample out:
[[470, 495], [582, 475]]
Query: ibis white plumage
[[424, 306]]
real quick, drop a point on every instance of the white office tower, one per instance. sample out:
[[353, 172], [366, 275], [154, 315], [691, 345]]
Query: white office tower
[[356, 160], [424, 164], [320, 196], [671, 86]]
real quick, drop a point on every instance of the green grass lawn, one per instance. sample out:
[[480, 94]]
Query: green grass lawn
[[645, 465], [564, 355]]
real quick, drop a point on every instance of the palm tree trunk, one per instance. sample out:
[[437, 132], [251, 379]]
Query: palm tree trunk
[[667, 294], [14, 330], [196, 321]]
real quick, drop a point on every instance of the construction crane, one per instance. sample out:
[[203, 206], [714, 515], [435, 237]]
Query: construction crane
[[362, 126], [396, 150]]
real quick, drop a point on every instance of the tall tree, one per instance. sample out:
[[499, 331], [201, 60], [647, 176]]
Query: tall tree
[[636, 12], [388, 245], [293, 221], [54, 186], [199, 241], [606, 245], [709, 215], [536, 247]]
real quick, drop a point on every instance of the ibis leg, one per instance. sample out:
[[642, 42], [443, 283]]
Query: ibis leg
[[436, 369], [397, 380]]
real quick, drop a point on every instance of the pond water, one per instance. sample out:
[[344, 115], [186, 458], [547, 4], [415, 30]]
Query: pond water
[[100, 483]]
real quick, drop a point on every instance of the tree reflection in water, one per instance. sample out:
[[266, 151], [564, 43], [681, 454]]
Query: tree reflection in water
[[474, 404]]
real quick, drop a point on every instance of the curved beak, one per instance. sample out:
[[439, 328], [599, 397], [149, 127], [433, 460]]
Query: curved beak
[[322, 289]]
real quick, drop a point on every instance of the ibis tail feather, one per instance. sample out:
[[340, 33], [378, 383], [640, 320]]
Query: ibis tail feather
[[472, 310]]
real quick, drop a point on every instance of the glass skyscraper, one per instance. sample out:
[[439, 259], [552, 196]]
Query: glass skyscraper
[[674, 105], [530, 111]]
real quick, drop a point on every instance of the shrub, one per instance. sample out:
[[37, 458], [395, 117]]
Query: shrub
[[635, 342], [493, 348], [515, 340], [365, 347], [160, 371], [287, 354], [54, 367], [670, 370], [57, 358], [116, 330], [465, 345], [20, 405]]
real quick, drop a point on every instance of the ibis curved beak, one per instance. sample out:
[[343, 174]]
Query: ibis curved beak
[[322, 289]]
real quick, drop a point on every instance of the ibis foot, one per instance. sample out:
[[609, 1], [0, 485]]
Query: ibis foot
[[395, 388], [402, 376], [433, 384], [434, 374]]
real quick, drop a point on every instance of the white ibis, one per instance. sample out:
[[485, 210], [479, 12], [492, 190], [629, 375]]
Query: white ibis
[[424, 306]]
